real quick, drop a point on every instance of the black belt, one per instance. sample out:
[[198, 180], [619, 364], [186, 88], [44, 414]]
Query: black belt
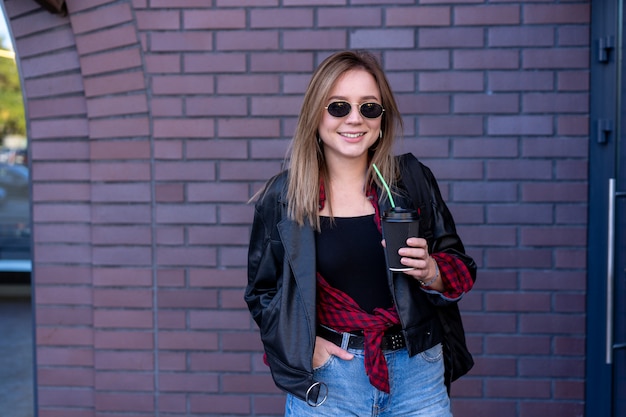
[[391, 341]]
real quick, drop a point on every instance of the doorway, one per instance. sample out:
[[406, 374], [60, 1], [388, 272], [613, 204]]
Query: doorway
[[606, 284]]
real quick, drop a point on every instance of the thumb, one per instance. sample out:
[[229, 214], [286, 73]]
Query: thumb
[[340, 353]]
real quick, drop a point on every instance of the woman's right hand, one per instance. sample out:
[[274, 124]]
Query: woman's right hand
[[324, 349]]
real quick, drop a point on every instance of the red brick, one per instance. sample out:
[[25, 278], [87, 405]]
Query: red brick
[[168, 149], [170, 235], [222, 404], [166, 256], [552, 367], [63, 106], [248, 127], [64, 336], [382, 38], [114, 84], [218, 235], [417, 60], [519, 388], [119, 149], [216, 149], [248, 170], [121, 235], [124, 402], [107, 39], [518, 345], [248, 84], [451, 81], [169, 193], [519, 125], [184, 171], [62, 253], [552, 280], [172, 361], [570, 58], [51, 356], [219, 319], [157, 19], [216, 106], [556, 13], [418, 16], [214, 62], [186, 298], [172, 320], [517, 214], [315, 39], [214, 19], [124, 381], [453, 37], [64, 128], [110, 61], [521, 81], [487, 15], [134, 256], [86, 5], [182, 84], [488, 235], [573, 125], [61, 193], [272, 62], [183, 128], [61, 213], [555, 103], [574, 35], [51, 150], [123, 319], [70, 315], [119, 128], [230, 278], [519, 169], [313, 2], [520, 36], [569, 345], [487, 59], [246, 40], [560, 192], [268, 148], [132, 298], [162, 63], [188, 340], [450, 125], [101, 18], [573, 81], [290, 18], [483, 103], [172, 403], [65, 397], [35, 22], [527, 258], [43, 43], [166, 107], [555, 148], [123, 360], [181, 41]]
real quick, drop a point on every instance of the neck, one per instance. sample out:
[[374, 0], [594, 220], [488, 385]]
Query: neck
[[349, 171]]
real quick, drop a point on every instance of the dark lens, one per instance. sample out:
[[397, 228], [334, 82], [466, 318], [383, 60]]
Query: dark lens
[[371, 110], [339, 108]]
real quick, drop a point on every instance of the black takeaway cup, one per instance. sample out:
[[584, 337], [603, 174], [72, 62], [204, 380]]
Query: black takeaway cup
[[398, 224]]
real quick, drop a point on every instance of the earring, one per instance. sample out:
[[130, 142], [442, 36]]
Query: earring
[[380, 134]]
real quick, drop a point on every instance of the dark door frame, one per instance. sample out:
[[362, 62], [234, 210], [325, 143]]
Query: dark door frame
[[606, 44]]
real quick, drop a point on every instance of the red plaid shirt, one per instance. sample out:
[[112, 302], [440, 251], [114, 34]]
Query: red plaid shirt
[[337, 310]]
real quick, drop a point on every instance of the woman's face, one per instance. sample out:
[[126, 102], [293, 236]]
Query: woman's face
[[350, 136]]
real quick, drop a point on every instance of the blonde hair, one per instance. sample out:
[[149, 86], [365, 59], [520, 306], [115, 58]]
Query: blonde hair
[[307, 163]]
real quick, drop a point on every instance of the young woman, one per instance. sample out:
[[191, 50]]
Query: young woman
[[342, 334]]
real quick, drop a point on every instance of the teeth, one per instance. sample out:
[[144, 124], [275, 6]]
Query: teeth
[[352, 135]]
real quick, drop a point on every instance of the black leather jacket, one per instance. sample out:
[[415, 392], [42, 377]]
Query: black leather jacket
[[282, 285]]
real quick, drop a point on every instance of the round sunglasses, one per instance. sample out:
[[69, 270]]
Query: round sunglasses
[[343, 108]]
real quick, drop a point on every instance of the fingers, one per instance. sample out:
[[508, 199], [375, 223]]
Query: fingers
[[416, 256], [324, 349]]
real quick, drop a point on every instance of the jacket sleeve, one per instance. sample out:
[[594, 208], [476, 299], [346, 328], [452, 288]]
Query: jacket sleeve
[[265, 260], [459, 268]]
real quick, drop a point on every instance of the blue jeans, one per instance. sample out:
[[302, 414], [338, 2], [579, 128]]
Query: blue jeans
[[417, 388]]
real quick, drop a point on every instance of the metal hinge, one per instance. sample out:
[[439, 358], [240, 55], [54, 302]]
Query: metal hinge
[[604, 128], [605, 45]]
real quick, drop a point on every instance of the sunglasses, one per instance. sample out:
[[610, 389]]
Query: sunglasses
[[343, 108]]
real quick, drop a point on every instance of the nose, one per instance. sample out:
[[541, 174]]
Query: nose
[[355, 114]]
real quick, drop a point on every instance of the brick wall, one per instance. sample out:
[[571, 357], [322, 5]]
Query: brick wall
[[152, 122]]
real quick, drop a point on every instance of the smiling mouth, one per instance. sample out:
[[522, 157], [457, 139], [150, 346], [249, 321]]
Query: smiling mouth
[[352, 135]]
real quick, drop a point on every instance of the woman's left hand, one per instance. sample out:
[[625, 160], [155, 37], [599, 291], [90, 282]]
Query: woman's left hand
[[416, 256]]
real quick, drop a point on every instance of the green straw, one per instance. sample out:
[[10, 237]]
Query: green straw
[[385, 184]]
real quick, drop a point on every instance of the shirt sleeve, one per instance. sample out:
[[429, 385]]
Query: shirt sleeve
[[455, 276]]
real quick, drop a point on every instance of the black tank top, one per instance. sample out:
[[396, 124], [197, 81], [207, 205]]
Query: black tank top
[[351, 258]]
